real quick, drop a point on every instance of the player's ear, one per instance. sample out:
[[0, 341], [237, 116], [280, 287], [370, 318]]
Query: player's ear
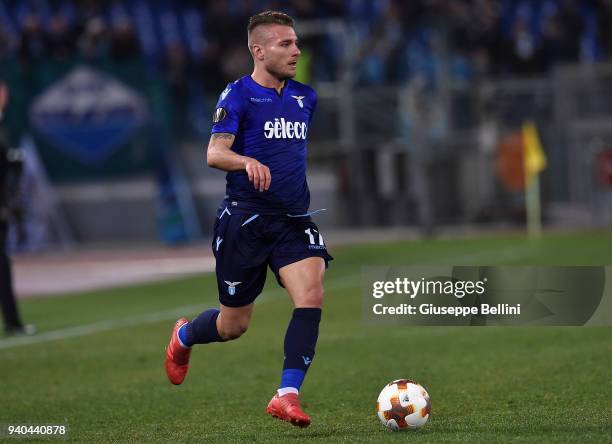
[[257, 51]]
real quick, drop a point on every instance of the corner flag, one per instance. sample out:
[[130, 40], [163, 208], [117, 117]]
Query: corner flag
[[534, 161], [534, 158]]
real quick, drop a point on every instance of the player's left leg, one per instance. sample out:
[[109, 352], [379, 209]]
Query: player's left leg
[[304, 283], [241, 265], [212, 325]]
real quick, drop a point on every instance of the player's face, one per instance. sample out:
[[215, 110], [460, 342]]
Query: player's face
[[281, 51]]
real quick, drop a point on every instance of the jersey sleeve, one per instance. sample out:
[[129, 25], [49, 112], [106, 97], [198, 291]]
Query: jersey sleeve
[[314, 100], [229, 110]]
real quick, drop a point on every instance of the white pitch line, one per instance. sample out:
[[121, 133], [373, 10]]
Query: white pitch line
[[147, 318], [333, 284], [97, 327]]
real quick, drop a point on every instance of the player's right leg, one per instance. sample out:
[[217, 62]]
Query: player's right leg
[[212, 325], [303, 280]]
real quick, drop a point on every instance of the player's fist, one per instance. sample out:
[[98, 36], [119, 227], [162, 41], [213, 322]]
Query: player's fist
[[259, 174]]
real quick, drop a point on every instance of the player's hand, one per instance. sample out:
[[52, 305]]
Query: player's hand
[[259, 174]]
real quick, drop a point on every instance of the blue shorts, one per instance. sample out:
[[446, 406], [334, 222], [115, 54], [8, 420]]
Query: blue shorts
[[244, 246]]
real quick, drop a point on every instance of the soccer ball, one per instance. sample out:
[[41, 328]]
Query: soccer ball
[[403, 405]]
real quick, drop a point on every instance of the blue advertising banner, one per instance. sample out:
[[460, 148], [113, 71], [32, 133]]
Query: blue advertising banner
[[88, 114]]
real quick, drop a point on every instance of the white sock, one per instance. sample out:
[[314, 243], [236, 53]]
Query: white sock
[[285, 390]]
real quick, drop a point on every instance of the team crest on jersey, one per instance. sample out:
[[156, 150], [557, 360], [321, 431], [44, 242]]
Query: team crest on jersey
[[231, 287], [299, 100], [219, 115]]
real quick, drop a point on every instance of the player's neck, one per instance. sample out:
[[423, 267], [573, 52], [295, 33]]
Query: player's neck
[[267, 80]]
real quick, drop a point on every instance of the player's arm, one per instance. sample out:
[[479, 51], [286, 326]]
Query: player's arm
[[220, 155]]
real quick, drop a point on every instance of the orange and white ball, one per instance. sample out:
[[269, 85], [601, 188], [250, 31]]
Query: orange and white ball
[[403, 405]]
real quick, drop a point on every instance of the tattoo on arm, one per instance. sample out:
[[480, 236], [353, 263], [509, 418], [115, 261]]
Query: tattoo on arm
[[220, 155], [227, 136]]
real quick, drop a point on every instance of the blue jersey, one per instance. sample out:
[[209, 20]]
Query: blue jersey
[[272, 128]]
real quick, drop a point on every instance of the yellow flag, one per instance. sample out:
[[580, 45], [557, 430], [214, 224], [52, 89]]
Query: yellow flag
[[534, 158]]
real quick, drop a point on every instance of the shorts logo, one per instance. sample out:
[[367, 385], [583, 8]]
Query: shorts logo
[[307, 360], [224, 212], [219, 115], [231, 287]]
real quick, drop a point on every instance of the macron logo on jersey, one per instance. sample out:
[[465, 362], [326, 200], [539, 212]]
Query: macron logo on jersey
[[281, 129]]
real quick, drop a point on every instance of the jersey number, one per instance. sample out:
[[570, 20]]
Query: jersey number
[[311, 237]]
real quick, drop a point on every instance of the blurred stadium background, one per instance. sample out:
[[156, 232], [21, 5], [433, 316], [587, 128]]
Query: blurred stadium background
[[417, 135]]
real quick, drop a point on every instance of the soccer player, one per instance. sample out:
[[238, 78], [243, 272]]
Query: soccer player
[[259, 137]]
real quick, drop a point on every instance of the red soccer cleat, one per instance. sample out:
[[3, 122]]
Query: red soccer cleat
[[287, 408], [177, 357]]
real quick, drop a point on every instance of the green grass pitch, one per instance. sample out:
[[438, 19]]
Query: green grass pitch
[[488, 384]]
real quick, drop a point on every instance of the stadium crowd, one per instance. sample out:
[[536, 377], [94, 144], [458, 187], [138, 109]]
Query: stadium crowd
[[191, 49], [396, 39]]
